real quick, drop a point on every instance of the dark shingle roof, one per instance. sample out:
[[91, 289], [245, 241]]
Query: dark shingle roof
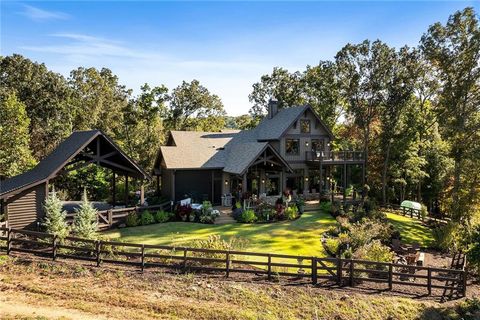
[[56, 160]]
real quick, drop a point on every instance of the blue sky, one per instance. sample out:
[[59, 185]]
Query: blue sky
[[227, 46]]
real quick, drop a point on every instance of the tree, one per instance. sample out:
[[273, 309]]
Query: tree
[[55, 217], [282, 85], [245, 122], [85, 221], [99, 100], [192, 106], [361, 71], [46, 97], [454, 52], [15, 154], [143, 126]]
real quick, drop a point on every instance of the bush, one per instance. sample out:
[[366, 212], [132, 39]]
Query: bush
[[326, 206], [332, 246], [85, 220], [248, 216], [215, 242], [374, 251], [473, 251], [183, 212], [146, 218], [445, 237], [55, 218], [237, 213], [132, 220], [291, 213], [362, 233], [162, 216]]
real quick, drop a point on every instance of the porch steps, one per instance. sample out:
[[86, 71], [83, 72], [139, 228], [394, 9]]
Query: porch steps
[[225, 219], [312, 206]]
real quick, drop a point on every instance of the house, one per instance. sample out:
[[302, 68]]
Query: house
[[22, 197], [289, 149]]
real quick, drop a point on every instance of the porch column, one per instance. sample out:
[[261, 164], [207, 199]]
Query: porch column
[[142, 194], [158, 184], [263, 182], [114, 189], [320, 183], [126, 191], [244, 183], [344, 183], [306, 181]]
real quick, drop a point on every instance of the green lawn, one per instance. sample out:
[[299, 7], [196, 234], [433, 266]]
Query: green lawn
[[411, 229], [298, 237]]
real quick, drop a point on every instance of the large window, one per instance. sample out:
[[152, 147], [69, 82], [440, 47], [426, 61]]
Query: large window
[[318, 145], [292, 146], [305, 126]]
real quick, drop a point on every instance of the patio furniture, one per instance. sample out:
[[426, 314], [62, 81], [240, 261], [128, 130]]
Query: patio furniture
[[397, 247]]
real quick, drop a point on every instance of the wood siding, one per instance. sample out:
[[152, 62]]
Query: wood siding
[[26, 208]]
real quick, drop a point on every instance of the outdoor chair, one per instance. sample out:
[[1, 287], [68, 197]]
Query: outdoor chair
[[397, 246]]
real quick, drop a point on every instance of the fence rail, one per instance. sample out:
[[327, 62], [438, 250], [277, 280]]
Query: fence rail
[[343, 272]]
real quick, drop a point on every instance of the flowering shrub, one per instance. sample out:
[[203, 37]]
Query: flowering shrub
[[183, 212]]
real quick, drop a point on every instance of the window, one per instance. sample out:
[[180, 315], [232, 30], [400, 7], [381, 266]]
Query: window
[[305, 126], [318, 145], [292, 146]]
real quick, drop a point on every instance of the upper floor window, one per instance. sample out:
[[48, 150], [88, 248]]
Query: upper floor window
[[305, 126], [318, 145], [292, 146]]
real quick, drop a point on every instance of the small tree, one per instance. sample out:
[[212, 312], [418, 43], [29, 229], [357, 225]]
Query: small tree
[[55, 218], [85, 221]]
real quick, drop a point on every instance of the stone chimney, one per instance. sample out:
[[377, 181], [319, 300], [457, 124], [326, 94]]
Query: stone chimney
[[272, 107]]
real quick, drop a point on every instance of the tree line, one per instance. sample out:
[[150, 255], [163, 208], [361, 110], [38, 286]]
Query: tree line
[[413, 110]]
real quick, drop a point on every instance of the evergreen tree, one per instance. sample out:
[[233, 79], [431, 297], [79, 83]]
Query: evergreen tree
[[55, 217], [85, 221]]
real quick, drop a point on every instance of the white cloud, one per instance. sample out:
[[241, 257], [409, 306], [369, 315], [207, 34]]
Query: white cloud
[[38, 14]]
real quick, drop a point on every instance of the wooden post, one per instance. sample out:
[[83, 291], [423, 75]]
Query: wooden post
[[54, 247], [227, 265], [339, 271], [114, 190], [344, 183], [390, 277], [429, 281], [269, 267], [142, 194], [110, 217], [244, 183], [98, 245], [126, 191], [320, 184], [314, 271], [352, 280], [158, 185], [464, 283], [9, 240], [185, 260], [143, 257]]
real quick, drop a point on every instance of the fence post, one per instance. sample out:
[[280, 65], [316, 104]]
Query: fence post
[[314, 271], [110, 217], [269, 267], [54, 247], [227, 264], [390, 277], [98, 245], [185, 260], [464, 283], [352, 280], [339, 271], [429, 281], [143, 257], [9, 240]]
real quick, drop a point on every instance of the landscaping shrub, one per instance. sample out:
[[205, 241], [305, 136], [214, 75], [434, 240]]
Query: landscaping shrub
[[146, 218], [291, 213], [162, 216], [264, 211], [215, 242], [237, 213], [248, 216], [362, 233], [132, 220], [446, 237], [374, 251], [326, 206], [332, 246], [473, 252], [183, 212], [300, 203]]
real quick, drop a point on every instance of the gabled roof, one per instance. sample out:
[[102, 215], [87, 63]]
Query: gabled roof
[[59, 158], [230, 150]]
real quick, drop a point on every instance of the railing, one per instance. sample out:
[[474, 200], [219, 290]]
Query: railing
[[342, 272], [110, 217], [334, 156]]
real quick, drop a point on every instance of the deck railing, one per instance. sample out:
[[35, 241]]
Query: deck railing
[[334, 156]]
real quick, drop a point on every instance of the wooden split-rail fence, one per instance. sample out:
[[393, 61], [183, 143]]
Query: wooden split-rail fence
[[341, 272]]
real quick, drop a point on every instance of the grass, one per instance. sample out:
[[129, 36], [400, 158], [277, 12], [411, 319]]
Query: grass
[[48, 290], [411, 229], [298, 237]]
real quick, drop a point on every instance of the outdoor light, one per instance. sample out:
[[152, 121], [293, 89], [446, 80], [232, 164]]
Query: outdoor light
[[226, 182], [263, 180], [306, 178], [306, 143]]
